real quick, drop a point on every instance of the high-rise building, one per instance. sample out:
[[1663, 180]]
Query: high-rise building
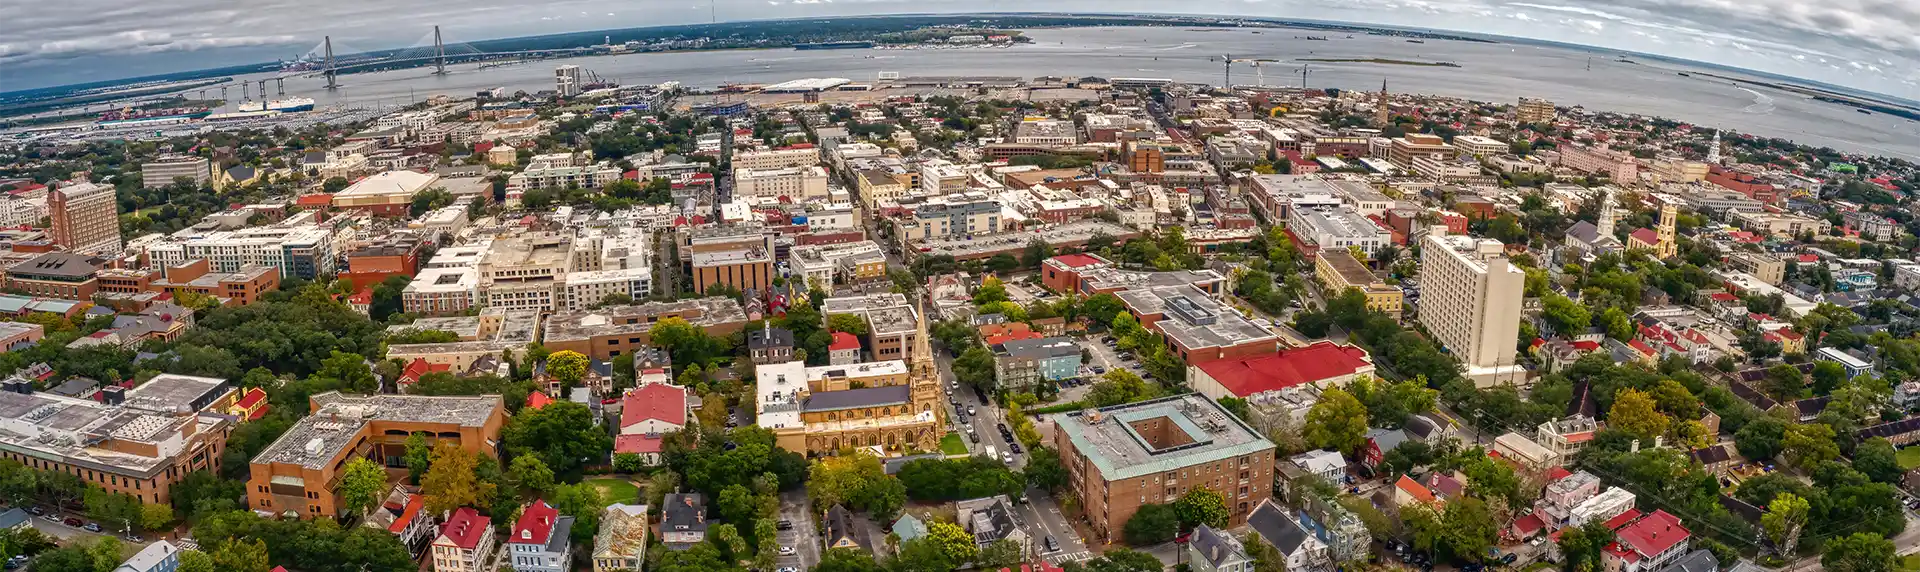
[[566, 80], [1470, 302], [1535, 111], [85, 218]]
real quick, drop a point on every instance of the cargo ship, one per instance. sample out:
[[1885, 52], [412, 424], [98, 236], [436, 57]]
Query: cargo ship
[[288, 105], [833, 46]]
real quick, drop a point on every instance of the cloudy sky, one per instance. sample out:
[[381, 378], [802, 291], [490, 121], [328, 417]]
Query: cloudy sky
[[1866, 44]]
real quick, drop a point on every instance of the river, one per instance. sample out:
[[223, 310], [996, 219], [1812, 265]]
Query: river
[[1487, 72]]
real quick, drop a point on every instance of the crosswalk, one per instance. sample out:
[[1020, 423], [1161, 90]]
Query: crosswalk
[[1081, 556]]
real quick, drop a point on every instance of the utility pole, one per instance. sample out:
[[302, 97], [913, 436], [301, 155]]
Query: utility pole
[[439, 53], [1228, 82], [1303, 75], [330, 72]]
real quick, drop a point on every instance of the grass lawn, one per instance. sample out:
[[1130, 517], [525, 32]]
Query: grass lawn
[[616, 490], [1909, 458], [952, 445], [1910, 562]]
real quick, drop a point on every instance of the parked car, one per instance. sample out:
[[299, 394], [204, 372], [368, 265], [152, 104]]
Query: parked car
[[17, 561], [1015, 447], [786, 551], [975, 437], [51, 517], [71, 521], [92, 527], [37, 511], [1509, 558], [1097, 370], [784, 524], [1051, 545]]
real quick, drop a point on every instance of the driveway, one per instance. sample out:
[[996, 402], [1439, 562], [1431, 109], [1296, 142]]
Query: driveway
[[804, 537]]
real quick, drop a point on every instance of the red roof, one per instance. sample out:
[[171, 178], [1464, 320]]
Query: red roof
[[1078, 260], [420, 367], [1645, 236], [535, 524], [1414, 489], [414, 504], [1287, 368], [315, 200], [1809, 258], [1528, 525], [1585, 345], [1558, 473], [667, 403], [637, 444], [363, 297], [1447, 485], [466, 528], [1623, 518], [1653, 535], [844, 341], [1004, 338], [1724, 297], [538, 399], [1642, 347]]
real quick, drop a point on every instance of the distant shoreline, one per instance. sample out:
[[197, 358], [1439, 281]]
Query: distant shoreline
[[1385, 61]]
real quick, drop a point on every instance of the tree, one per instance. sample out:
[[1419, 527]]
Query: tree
[[1876, 458], [1807, 445], [1675, 400], [452, 482], [1338, 422], [628, 463], [849, 323], [563, 434], [974, 368], [1151, 524], [419, 456], [195, 561], [953, 540], [1119, 386], [1827, 375], [1201, 505], [1125, 560], [1565, 315], [362, 485], [567, 366], [1634, 413], [857, 480], [1784, 519], [1581, 547], [847, 560], [156, 517], [241, 556], [531, 474], [1859, 552], [1760, 438], [1044, 469]]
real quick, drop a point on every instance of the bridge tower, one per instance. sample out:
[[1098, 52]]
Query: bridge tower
[[439, 53], [329, 70]]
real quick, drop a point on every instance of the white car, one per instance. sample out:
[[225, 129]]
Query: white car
[[786, 551]]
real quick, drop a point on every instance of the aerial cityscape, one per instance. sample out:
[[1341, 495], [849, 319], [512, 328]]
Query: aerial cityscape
[[1023, 293]]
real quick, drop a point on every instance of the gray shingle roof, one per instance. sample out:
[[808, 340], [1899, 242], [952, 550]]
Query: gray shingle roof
[[1277, 528], [857, 398]]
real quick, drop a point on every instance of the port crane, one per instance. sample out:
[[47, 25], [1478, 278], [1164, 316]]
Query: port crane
[[1250, 61]]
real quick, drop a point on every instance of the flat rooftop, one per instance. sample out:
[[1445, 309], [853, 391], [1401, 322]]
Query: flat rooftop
[[1194, 319], [778, 387], [614, 321], [1160, 435], [1073, 232], [316, 440], [886, 313], [858, 370], [69, 430]]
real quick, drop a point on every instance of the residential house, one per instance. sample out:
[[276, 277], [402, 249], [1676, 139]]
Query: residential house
[[621, 543], [1019, 365], [842, 531], [1379, 441], [1342, 531], [1647, 544], [1327, 465], [403, 514], [465, 543], [992, 520], [161, 556], [1210, 550], [907, 529], [1300, 549], [541, 540], [646, 414], [683, 520]]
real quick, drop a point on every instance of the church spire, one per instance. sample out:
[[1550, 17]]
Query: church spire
[[1383, 112], [923, 367]]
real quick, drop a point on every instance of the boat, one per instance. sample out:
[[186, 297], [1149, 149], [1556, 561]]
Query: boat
[[1864, 111], [1684, 74], [1416, 41]]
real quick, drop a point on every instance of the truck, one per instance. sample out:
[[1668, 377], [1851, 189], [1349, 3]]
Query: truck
[[992, 452]]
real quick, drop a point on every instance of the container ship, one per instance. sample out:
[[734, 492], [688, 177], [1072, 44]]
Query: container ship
[[833, 46], [288, 105]]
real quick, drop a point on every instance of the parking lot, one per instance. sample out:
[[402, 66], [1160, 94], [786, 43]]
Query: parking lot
[[801, 537]]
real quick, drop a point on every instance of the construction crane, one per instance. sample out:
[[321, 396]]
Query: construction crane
[[1250, 61]]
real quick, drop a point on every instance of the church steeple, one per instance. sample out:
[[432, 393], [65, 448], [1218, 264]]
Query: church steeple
[[1383, 112]]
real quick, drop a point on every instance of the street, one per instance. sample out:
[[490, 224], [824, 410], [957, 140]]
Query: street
[[1040, 510], [795, 508]]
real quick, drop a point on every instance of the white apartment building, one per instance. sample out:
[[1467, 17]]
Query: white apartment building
[[939, 177], [409, 121], [16, 210], [1470, 301], [303, 251], [563, 170], [435, 291], [162, 171], [1480, 146], [450, 220], [1338, 228], [1616, 164], [1051, 132], [804, 156], [795, 183], [525, 272], [582, 290]]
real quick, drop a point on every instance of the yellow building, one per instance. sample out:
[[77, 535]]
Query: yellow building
[[1338, 270], [1662, 239], [887, 405]]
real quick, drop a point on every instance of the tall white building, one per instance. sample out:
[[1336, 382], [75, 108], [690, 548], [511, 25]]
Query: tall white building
[[299, 251], [802, 156], [796, 183], [1470, 301], [566, 80]]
